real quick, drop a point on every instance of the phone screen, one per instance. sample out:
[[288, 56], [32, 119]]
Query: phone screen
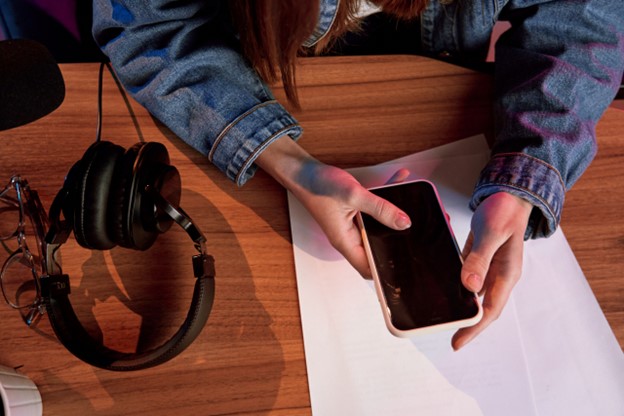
[[419, 268]]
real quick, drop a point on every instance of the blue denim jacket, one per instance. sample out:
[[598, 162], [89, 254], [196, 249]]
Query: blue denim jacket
[[557, 69]]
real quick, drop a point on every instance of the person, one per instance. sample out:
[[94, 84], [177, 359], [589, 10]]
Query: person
[[203, 68]]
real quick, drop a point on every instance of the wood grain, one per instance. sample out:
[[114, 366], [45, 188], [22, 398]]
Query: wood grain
[[250, 358]]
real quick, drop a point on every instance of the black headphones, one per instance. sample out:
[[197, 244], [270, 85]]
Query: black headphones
[[115, 197]]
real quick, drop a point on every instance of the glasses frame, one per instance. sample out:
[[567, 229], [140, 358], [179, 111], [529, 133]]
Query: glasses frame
[[29, 206]]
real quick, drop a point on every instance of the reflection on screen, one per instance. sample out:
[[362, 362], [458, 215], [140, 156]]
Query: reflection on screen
[[419, 268]]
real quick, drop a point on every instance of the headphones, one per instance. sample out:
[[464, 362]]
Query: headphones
[[116, 197]]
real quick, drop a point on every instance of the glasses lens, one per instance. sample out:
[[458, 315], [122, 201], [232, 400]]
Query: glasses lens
[[19, 285], [9, 213], [9, 222]]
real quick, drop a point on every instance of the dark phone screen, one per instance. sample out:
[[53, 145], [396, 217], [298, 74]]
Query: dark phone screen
[[419, 268]]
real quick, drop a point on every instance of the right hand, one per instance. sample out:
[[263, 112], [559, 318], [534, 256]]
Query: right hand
[[332, 196], [493, 256]]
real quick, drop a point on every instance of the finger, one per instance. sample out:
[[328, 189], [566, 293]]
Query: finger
[[383, 211], [465, 251], [468, 245], [500, 282], [495, 299], [477, 261], [357, 258], [399, 176], [350, 246]]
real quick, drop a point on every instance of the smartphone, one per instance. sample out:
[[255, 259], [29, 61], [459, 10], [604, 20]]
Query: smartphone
[[416, 272]]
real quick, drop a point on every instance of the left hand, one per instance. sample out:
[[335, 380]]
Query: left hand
[[493, 257], [332, 196]]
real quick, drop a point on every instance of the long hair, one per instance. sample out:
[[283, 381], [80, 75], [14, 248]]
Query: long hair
[[272, 32]]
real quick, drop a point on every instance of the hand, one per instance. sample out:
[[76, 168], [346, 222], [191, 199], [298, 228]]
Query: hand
[[333, 197], [493, 257]]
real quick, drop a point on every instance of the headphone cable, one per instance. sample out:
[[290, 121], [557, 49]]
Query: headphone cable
[[98, 131]]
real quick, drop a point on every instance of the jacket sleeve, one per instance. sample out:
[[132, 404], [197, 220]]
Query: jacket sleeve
[[181, 61], [557, 69]]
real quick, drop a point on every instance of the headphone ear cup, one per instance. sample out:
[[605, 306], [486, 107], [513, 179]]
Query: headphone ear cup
[[151, 171], [169, 185], [90, 193], [69, 186]]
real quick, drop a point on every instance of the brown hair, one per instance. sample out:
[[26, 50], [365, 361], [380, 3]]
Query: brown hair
[[272, 32]]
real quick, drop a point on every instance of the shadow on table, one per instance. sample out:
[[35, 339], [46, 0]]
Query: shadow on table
[[133, 301]]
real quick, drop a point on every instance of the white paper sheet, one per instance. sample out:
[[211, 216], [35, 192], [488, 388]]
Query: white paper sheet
[[551, 352]]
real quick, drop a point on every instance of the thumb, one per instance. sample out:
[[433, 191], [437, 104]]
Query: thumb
[[384, 211], [477, 262]]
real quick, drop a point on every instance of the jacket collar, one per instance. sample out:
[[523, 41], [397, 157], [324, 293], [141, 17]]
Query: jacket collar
[[327, 15]]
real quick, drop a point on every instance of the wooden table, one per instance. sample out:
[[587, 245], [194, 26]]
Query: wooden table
[[249, 359]]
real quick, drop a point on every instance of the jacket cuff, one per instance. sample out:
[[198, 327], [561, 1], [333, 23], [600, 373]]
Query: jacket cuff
[[251, 133], [529, 178]]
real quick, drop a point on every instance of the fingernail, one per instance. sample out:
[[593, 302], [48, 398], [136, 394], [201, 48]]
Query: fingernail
[[403, 221], [474, 281]]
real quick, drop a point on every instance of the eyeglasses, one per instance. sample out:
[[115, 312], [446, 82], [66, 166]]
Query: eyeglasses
[[22, 222]]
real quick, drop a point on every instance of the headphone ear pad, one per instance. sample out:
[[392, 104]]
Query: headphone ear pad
[[90, 195], [121, 190]]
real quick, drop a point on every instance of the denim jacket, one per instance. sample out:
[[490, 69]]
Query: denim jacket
[[557, 69]]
